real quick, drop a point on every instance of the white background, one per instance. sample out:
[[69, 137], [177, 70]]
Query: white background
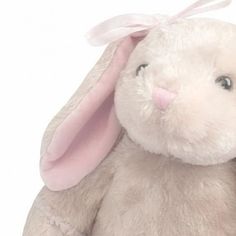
[[43, 58]]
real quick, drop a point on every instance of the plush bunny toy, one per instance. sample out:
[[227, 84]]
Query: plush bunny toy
[[146, 146]]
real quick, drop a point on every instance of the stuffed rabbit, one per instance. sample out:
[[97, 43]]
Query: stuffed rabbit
[[146, 146]]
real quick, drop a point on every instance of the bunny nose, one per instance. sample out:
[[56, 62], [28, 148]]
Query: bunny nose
[[162, 98]]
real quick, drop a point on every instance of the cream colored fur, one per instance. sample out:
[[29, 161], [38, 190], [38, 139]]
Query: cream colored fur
[[172, 173], [186, 57]]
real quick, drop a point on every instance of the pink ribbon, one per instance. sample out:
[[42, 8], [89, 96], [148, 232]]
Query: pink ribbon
[[121, 26]]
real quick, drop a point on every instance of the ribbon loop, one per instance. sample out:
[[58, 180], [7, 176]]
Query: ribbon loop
[[202, 6], [121, 26]]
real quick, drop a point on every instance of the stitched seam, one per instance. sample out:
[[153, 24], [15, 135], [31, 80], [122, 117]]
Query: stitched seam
[[66, 228]]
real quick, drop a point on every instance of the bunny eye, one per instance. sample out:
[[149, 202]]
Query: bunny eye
[[225, 82], [140, 67]]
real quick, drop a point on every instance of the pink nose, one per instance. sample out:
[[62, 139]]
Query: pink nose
[[162, 98]]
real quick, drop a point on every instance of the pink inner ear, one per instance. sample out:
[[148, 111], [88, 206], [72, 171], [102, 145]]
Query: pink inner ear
[[96, 137], [87, 135]]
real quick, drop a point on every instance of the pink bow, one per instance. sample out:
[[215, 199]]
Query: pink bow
[[121, 26]]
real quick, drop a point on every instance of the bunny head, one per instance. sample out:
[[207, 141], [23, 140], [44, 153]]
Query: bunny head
[[170, 88], [176, 96]]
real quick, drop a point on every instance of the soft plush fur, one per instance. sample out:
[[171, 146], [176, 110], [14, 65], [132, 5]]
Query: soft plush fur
[[170, 172]]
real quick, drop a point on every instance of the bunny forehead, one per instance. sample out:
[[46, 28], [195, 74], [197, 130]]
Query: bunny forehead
[[121, 26]]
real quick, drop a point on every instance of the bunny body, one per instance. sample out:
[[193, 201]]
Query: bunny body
[[172, 172], [136, 193]]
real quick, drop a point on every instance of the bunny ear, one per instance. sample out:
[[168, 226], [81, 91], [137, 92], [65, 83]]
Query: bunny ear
[[85, 130]]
